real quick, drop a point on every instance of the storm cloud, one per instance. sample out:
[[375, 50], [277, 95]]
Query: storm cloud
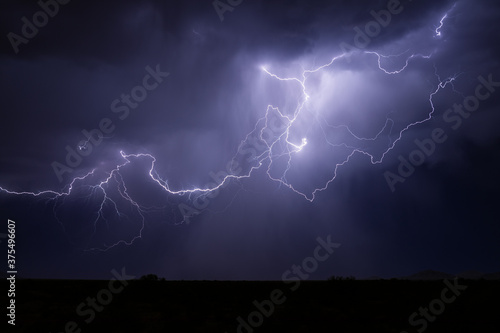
[[74, 75]]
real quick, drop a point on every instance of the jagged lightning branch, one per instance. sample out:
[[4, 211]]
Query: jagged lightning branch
[[442, 84], [441, 22], [268, 156]]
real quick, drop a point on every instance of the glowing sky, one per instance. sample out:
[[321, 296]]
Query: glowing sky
[[229, 146]]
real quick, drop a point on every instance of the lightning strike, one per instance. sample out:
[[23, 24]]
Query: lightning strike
[[438, 33], [111, 190]]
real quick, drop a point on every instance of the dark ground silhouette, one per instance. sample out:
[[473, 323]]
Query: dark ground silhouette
[[150, 305]]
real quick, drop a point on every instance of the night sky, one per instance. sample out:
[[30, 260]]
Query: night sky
[[313, 151]]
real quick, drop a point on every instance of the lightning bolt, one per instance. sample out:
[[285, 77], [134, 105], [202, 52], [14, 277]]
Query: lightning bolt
[[110, 189], [83, 145], [295, 148], [438, 33]]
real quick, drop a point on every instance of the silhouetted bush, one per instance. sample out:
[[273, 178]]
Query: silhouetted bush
[[149, 277], [340, 278]]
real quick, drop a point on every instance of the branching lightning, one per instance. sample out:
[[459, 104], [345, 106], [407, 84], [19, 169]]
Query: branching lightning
[[111, 190]]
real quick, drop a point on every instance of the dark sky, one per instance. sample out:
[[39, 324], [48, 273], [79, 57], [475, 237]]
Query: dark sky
[[72, 75]]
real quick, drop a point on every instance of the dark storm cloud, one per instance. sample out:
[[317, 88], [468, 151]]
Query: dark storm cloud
[[65, 79]]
